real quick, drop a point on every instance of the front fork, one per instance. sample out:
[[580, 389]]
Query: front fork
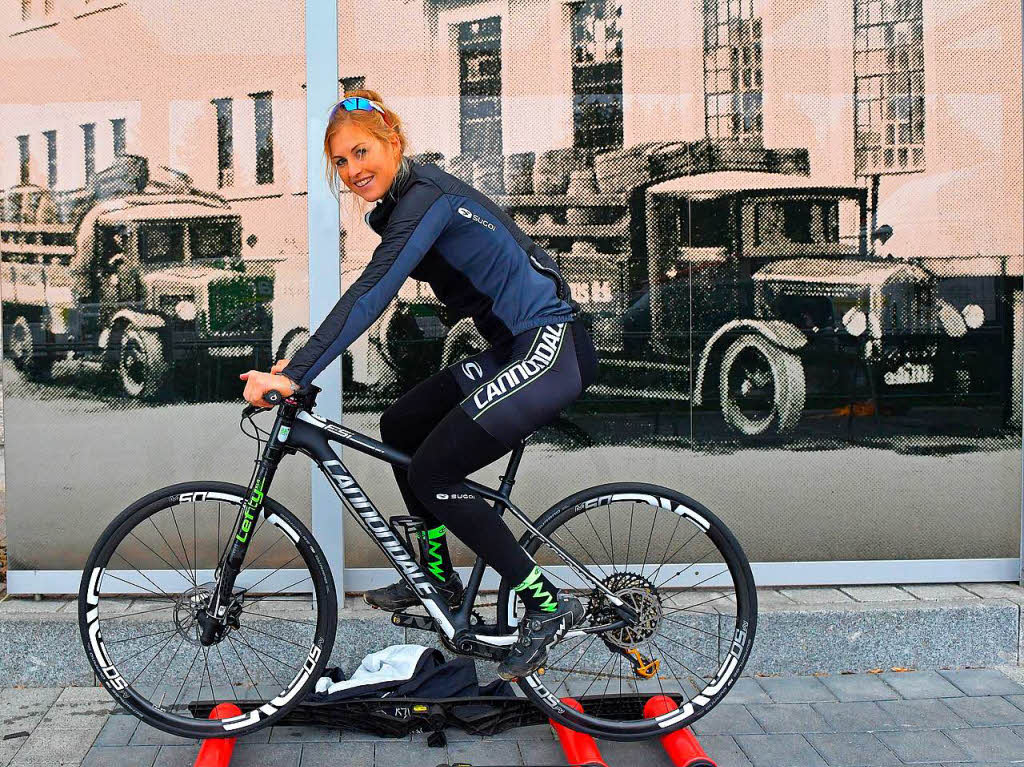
[[213, 618]]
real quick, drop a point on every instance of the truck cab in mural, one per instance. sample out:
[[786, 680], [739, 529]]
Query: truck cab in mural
[[729, 280], [144, 278]]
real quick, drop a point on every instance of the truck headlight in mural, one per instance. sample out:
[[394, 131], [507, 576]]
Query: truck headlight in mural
[[147, 283]]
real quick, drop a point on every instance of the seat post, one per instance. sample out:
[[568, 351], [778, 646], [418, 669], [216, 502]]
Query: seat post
[[509, 477]]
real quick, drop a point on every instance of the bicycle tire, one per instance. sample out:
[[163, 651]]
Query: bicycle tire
[[257, 714], [740, 644]]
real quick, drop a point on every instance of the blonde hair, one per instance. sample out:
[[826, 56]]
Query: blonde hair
[[382, 127]]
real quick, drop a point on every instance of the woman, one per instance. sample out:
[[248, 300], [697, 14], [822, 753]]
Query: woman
[[437, 229]]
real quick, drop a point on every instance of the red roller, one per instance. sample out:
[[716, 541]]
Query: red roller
[[216, 752], [580, 749], [681, 746]]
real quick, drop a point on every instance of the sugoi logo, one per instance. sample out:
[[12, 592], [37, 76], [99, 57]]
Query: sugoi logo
[[472, 370], [454, 496], [473, 216]]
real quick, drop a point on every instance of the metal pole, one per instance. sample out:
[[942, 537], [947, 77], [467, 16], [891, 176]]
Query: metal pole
[[323, 223]]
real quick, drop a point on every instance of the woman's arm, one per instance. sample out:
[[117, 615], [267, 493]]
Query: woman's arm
[[416, 222]]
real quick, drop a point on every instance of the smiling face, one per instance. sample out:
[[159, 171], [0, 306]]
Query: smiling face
[[365, 164]]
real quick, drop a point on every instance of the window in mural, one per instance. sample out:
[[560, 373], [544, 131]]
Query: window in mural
[[225, 144], [89, 145], [732, 70], [23, 158], [119, 136], [597, 74], [480, 86], [352, 83], [264, 138], [51, 158], [889, 86]]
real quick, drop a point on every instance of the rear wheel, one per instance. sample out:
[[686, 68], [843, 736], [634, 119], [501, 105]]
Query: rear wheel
[[684, 574], [763, 388], [24, 349], [142, 363], [153, 571]]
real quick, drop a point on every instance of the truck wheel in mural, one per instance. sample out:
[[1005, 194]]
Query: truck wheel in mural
[[762, 386], [293, 341], [463, 340], [27, 350], [142, 363]]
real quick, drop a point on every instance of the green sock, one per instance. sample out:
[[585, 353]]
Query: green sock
[[439, 559], [537, 592]]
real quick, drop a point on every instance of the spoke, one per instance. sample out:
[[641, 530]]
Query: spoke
[[597, 535], [687, 625], [654, 575], [174, 703], [276, 618], [144, 649], [257, 558], [667, 655], [206, 662], [680, 572], [596, 677], [245, 668], [687, 647], [175, 569], [257, 583], [279, 591], [629, 533], [706, 601], [157, 593], [173, 552], [250, 627], [227, 675], [675, 528], [140, 612], [650, 654], [166, 668], [585, 550], [264, 652], [144, 636], [184, 549], [650, 537], [611, 535]]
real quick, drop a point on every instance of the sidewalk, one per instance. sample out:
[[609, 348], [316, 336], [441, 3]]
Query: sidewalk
[[962, 717]]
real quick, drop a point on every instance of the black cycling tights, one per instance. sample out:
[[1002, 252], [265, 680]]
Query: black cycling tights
[[470, 415]]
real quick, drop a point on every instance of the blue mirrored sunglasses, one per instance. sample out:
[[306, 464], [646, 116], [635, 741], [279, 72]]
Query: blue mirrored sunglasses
[[353, 103]]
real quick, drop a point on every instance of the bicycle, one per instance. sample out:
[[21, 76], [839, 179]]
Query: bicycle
[[240, 618]]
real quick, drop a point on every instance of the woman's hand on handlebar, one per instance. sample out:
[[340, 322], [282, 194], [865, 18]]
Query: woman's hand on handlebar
[[258, 383]]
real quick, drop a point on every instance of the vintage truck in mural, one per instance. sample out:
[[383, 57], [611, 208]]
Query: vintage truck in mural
[[144, 278], [753, 293]]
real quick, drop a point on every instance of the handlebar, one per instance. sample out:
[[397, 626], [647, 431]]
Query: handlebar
[[306, 396]]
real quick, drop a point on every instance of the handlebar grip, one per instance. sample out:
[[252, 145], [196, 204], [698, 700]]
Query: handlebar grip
[[273, 397]]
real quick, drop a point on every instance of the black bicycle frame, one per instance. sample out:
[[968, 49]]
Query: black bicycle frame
[[297, 429]]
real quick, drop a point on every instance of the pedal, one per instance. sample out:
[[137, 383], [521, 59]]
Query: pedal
[[413, 621]]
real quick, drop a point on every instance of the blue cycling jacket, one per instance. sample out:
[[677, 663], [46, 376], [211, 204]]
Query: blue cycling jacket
[[440, 230]]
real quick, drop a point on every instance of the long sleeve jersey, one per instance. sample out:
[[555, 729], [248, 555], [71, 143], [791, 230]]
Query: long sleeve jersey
[[437, 229]]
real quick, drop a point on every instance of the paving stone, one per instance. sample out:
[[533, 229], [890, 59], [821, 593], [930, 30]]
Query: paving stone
[[816, 595], [303, 734], [855, 716], [925, 746], [30, 696], [117, 731], [1011, 591], [769, 599], [177, 756], [789, 717], [852, 749], [777, 750], [982, 681], [1017, 700], [877, 593], [721, 749], [266, 754], [921, 714], [483, 753], [404, 754], [747, 690], [989, 742], [121, 756], [986, 711], [919, 684], [55, 745], [535, 752], [148, 735], [858, 687], [337, 755], [796, 689], [939, 591], [727, 719], [17, 605]]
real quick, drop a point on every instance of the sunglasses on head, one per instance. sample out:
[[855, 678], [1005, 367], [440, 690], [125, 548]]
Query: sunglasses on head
[[360, 103]]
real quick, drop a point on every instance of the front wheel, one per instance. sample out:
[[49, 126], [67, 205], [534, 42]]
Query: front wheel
[[763, 387], [152, 573], [142, 363], [683, 573]]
